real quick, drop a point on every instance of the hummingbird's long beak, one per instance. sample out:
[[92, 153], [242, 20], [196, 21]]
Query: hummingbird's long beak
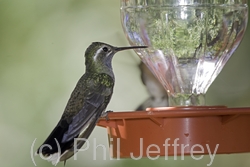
[[117, 49]]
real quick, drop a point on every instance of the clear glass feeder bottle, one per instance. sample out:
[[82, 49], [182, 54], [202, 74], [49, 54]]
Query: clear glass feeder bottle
[[189, 41]]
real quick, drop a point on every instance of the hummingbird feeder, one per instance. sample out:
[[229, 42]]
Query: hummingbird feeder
[[189, 42]]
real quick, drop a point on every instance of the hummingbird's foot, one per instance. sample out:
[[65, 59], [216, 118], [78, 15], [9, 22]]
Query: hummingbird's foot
[[106, 115]]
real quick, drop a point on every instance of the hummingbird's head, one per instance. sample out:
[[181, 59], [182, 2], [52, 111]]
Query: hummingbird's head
[[98, 55]]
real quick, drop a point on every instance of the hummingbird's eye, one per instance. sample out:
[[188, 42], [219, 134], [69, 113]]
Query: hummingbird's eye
[[105, 49]]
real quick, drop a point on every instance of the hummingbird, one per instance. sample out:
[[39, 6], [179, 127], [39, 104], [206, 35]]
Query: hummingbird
[[157, 94], [86, 105]]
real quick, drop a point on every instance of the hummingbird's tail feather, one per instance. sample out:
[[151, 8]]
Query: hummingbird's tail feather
[[53, 146], [55, 150]]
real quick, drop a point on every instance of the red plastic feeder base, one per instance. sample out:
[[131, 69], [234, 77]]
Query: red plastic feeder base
[[172, 131]]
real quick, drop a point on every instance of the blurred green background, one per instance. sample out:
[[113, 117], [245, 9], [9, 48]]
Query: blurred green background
[[42, 45]]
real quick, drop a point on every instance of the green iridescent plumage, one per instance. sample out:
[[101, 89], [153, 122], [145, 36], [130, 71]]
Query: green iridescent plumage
[[86, 104]]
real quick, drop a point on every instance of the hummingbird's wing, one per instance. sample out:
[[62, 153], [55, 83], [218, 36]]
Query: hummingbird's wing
[[95, 99], [82, 138], [84, 122], [86, 104], [93, 106]]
